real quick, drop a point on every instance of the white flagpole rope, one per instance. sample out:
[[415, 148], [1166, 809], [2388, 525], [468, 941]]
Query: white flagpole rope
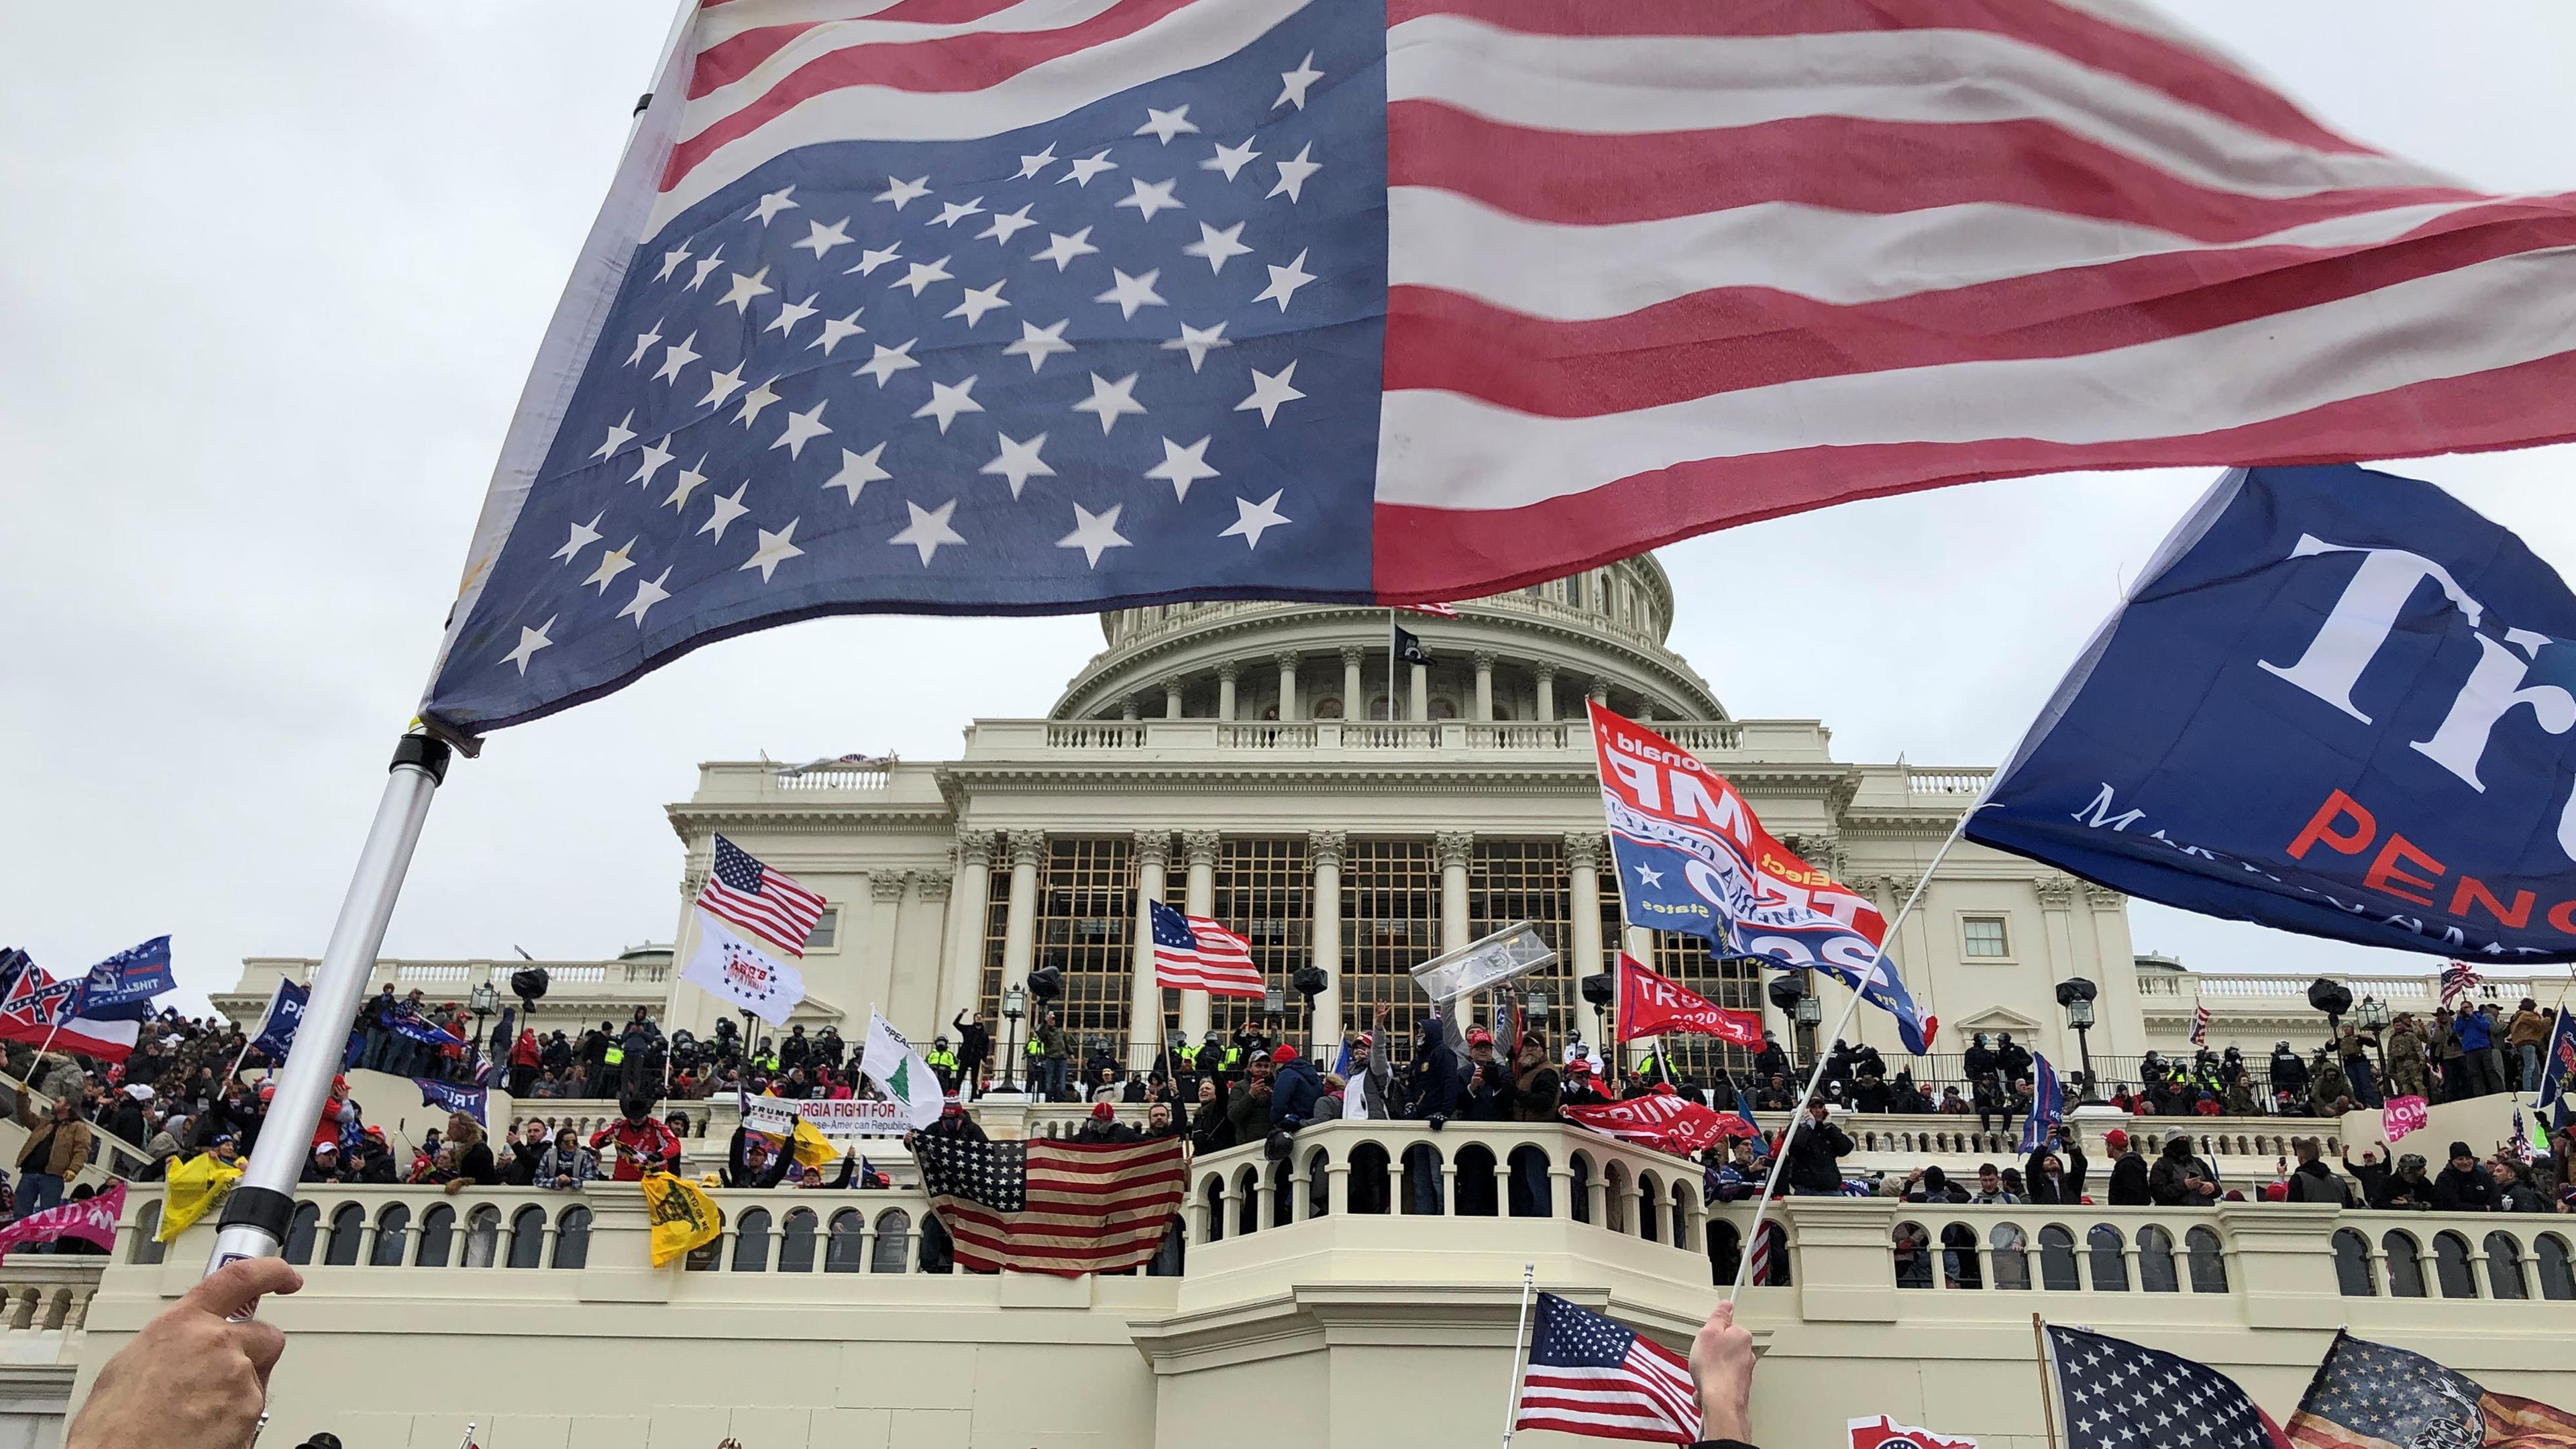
[[1798, 1108], [1520, 1350]]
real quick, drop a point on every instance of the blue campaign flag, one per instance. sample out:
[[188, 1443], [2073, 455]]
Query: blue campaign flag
[[2336, 702], [420, 1029], [2558, 1061], [468, 1100], [2047, 1104], [121, 987], [12, 962], [277, 1026]]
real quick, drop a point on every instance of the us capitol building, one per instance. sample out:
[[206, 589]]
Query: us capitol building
[[1249, 762]]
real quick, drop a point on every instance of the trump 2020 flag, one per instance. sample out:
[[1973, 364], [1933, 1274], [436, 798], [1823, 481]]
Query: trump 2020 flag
[[2337, 702], [739, 972], [124, 984], [2047, 1104], [1014, 308], [278, 1025], [1692, 857]]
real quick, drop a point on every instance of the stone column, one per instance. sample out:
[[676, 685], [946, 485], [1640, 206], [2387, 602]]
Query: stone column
[[1172, 698], [1583, 871], [1421, 707], [961, 971], [1144, 998], [1546, 675], [1020, 923], [1287, 663], [1199, 847], [885, 891], [2056, 914], [1598, 691], [1456, 848], [1354, 703], [1129, 710], [1324, 848], [1485, 684], [1225, 677]]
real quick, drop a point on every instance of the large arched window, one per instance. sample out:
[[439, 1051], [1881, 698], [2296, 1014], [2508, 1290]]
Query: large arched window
[[751, 1241], [482, 1236], [2451, 1265], [393, 1235], [2557, 1271], [437, 1236], [1912, 1245], [300, 1232], [2504, 1267], [842, 1250], [2156, 1260], [528, 1237], [894, 1238], [572, 1237], [148, 1247], [2405, 1265], [348, 1230], [2353, 1277], [2011, 1250], [2208, 1261], [2057, 1259], [796, 1241], [2110, 1269]]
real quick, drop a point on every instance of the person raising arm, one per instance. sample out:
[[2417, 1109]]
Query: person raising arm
[[1721, 1365]]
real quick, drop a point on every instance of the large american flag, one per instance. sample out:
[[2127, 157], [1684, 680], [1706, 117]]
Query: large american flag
[[751, 895], [2371, 1396], [2114, 1394], [1193, 953], [1043, 1206], [993, 306], [2459, 980], [1588, 1375]]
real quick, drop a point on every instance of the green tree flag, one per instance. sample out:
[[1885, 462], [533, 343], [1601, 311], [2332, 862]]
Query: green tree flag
[[900, 1073]]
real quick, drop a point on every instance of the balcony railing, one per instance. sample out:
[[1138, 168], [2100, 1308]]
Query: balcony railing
[[2419, 994]]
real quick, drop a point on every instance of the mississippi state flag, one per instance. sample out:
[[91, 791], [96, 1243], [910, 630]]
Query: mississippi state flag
[[1003, 306]]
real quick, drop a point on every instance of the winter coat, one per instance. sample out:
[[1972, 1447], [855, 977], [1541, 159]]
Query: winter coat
[[1814, 1155], [581, 1165], [1211, 1130], [2528, 1028], [1294, 1089], [1536, 1094], [2465, 1192], [2316, 1182], [2068, 1190], [2165, 1182]]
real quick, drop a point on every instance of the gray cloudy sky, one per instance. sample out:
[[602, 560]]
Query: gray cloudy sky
[[269, 287]]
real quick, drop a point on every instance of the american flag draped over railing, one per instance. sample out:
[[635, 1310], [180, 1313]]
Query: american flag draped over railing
[[1042, 1206]]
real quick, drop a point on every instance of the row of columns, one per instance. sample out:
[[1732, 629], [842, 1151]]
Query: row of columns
[[1354, 657], [961, 971]]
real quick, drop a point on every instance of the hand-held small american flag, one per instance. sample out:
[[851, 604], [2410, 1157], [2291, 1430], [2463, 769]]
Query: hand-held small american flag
[[1588, 1375], [2200, 1026], [2459, 981], [741, 890], [1193, 953]]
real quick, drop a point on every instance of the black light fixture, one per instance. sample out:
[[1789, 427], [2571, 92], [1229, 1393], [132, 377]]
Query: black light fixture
[[2334, 999], [2076, 994], [1601, 989], [1046, 983]]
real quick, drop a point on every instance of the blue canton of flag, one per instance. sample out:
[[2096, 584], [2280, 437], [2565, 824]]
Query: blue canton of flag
[[420, 1029], [1127, 353], [2047, 1104], [122, 986]]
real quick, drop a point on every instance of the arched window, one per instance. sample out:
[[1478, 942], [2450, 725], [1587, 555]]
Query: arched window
[[2352, 1265], [2451, 1266], [1581, 1190], [1614, 1197], [393, 1224], [1682, 1193], [2208, 1261], [572, 1238], [482, 1236], [2504, 1267], [2110, 1269], [300, 1232], [841, 1249], [348, 1226], [1319, 1183], [1474, 1183], [796, 1241], [1247, 1205], [1283, 1195], [1212, 1194], [2057, 1259], [2557, 1272], [2405, 1265], [1443, 707], [1530, 1187], [894, 1241], [148, 1247], [1725, 1248], [1912, 1245], [1329, 707], [2156, 1260], [437, 1236], [528, 1237], [1650, 1188], [2011, 1250], [1959, 1266], [751, 1241]]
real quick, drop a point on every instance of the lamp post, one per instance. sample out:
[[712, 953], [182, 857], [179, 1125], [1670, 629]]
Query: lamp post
[[1810, 1015], [1309, 983], [1015, 1004], [2076, 994], [2373, 1016], [483, 1001]]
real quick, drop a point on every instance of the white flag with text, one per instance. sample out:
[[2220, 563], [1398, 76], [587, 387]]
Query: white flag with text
[[735, 970], [900, 1073]]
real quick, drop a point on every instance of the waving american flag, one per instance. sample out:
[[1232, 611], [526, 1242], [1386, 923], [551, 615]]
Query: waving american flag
[[993, 306]]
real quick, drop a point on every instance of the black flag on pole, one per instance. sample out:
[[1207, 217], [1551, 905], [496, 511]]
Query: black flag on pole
[[1408, 647]]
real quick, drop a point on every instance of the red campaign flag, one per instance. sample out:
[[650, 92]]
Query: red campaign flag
[[1650, 1004], [1662, 1120]]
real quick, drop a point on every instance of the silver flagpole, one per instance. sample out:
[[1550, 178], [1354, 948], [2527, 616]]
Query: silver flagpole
[[1520, 1348], [1391, 715], [1798, 1108], [263, 1201]]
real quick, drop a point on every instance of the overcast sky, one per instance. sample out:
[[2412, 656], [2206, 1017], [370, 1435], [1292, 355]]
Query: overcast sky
[[269, 288]]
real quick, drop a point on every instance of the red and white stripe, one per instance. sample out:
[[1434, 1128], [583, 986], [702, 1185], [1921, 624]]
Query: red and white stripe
[[763, 78], [1766, 1247], [1088, 1208], [1649, 1396], [1221, 966], [1665, 266]]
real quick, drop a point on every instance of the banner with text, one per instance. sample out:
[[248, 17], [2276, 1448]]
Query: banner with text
[[850, 1117]]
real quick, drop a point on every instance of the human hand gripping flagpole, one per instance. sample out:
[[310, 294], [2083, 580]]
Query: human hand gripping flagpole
[[1798, 1110]]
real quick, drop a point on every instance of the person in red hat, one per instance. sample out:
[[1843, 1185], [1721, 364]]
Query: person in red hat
[[1295, 1087], [2128, 1171], [1104, 1126]]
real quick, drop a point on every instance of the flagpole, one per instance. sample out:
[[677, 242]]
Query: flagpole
[[1520, 1349], [1798, 1108], [1391, 715], [2047, 1404], [263, 1200]]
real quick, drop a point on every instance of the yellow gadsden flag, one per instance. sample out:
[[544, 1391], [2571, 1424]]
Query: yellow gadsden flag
[[196, 1186], [683, 1216]]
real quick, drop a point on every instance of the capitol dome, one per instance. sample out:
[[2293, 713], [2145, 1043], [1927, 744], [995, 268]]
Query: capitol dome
[[1529, 655]]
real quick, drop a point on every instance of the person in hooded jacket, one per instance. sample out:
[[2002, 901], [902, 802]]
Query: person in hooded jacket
[[2409, 1190], [2312, 1180], [1431, 1084], [2180, 1179], [2049, 1180], [1211, 1128], [1814, 1168], [1295, 1087], [2128, 1171]]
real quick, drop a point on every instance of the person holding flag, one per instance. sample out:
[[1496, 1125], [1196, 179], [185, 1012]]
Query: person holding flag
[[2047, 1106]]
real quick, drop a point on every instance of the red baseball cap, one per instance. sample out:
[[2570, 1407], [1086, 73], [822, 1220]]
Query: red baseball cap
[[1282, 1052]]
